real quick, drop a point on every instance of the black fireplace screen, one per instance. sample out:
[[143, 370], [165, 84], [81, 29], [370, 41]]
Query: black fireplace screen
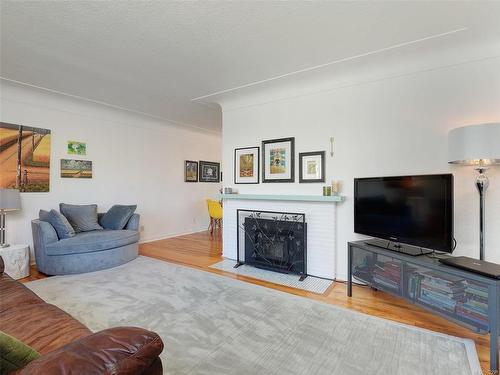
[[273, 240]]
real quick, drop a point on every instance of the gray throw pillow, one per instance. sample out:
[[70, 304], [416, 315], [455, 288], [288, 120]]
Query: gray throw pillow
[[83, 218], [117, 216], [43, 215], [61, 225]]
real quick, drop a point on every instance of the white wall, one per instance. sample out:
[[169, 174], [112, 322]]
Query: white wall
[[394, 126], [136, 160]]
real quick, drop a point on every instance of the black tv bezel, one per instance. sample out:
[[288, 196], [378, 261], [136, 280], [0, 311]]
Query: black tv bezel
[[448, 177]]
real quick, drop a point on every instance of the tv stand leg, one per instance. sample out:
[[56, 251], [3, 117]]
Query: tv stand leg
[[349, 271], [493, 312]]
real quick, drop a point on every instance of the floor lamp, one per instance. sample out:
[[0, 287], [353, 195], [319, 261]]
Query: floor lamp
[[477, 145]]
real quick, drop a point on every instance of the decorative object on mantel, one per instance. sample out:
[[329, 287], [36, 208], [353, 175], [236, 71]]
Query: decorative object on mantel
[[278, 160], [10, 200], [71, 168], [26, 152], [476, 145], [209, 171], [190, 171], [272, 240], [335, 187], [246, 165], [327, 191], [77, 148], [312, 166]]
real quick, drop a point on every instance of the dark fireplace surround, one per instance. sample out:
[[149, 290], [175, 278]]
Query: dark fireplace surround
[[275, 241]]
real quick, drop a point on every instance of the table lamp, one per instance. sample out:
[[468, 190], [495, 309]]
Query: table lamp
[[10, 200], [479, 146]]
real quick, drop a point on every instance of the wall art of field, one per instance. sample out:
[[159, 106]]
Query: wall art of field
[[24, 157], [76, 168]]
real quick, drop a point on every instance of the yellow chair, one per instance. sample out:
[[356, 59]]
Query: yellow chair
[[215, 213]]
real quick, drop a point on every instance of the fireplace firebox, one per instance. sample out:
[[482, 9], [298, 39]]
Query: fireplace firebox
[[274, 241]]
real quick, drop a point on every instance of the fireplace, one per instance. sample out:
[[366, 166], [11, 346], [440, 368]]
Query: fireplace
[[274, 241]]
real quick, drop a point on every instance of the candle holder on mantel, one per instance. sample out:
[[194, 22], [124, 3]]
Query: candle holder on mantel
[[336, 187]]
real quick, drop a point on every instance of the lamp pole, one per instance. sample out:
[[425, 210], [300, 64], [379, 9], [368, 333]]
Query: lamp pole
[[482, 184]]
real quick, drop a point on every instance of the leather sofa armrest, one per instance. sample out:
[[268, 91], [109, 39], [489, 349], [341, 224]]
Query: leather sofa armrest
[[133, 222], [121, 350]]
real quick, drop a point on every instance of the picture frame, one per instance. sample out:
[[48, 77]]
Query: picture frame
[[209, 171], [312, 166], [190, 171], [77, 148], [278, 160], [247, 165], [72, 168]]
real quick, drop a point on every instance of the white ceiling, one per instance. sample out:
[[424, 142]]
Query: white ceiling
[[156, 57]]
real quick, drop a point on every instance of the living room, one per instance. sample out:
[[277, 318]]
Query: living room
[[280, 113]]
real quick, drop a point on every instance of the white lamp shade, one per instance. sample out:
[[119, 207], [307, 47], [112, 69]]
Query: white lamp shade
[[475, 144], [10, 199]]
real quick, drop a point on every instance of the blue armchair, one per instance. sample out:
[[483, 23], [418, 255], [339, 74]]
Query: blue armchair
[[86, 251]]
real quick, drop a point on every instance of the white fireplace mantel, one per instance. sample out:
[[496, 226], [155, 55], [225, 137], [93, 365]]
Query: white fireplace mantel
[[320, 214], [282, 197]]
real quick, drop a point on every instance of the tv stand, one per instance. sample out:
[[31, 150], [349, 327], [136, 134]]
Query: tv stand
[[400, 248], [466, 298]]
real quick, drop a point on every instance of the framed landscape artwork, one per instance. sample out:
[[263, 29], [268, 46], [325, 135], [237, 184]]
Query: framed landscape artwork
[[312, 166], [71, 168], [190, 171], [246, 165], [24, 158], [278, 160], [209, 171]]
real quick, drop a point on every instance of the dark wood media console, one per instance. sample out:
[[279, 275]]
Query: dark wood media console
[[466, 298]]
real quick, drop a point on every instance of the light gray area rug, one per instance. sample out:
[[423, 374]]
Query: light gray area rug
[[212, 324], [310, 283]]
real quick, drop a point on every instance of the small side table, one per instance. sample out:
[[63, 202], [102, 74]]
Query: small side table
[[17, 260]]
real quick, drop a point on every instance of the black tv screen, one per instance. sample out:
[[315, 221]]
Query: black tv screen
[[414, 210]]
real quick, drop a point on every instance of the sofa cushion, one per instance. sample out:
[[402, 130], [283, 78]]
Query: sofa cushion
[[13, 293], [14, 354], [117, 216], [61, 225], [83, 218], [98, 240], [42, 326]]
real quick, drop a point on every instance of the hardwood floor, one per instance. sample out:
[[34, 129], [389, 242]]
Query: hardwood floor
[[201, 250]]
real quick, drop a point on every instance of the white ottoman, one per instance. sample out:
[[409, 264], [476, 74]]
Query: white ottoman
[[17, 260]]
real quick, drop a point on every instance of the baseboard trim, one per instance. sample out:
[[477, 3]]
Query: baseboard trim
[[164, 237]]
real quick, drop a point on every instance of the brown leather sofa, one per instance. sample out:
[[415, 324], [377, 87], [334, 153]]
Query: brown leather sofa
[[66, 345]]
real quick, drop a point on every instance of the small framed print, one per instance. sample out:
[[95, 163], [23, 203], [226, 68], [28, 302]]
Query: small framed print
[[190, 171], [278, 160], [209, 171], [312, 166], [246, 165]]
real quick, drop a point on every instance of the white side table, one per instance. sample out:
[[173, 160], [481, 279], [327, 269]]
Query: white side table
[[17, 260]]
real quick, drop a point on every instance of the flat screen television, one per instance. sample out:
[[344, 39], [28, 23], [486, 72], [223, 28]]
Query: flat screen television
[[411, 210]]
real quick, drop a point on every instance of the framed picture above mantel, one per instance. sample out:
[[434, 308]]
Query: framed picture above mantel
[[246, 165], [278, 160], [312, 166]]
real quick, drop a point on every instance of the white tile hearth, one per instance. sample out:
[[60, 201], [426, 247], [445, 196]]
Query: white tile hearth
[[311, 283]]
